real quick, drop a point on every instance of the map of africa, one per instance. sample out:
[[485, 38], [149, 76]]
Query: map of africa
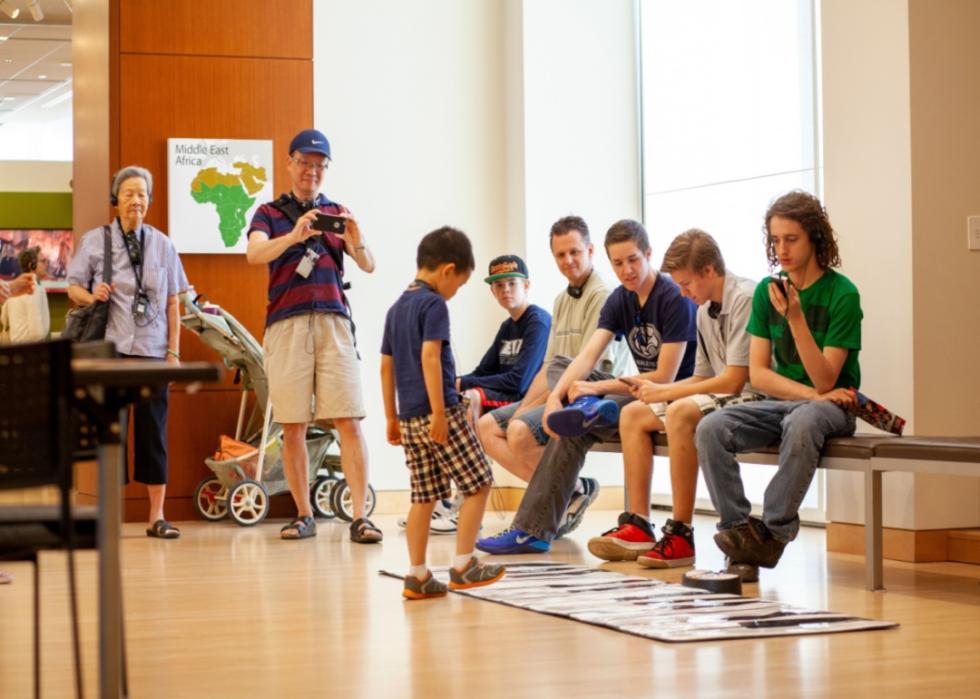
[[231, 195]]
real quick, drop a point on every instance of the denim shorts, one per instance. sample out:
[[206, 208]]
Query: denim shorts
[[532, 418]]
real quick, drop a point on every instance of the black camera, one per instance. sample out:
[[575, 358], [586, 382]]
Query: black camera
[[329, 223]]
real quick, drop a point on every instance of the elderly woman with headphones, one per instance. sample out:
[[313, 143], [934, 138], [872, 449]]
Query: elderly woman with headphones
[[144, 316]]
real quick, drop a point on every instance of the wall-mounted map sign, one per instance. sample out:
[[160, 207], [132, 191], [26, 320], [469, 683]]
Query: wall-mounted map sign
[[215, 185]]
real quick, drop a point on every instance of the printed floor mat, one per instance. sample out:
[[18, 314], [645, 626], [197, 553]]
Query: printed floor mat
[[651, 608]]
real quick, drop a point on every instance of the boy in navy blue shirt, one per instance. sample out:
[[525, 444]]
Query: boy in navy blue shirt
[[512, 361], [430, 420]]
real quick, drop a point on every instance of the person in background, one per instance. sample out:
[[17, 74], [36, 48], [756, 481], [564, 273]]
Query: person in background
[[310, 355], [27, 318], [144, 317]]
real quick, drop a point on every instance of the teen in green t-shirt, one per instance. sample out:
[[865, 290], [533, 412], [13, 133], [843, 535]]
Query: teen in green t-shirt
[[806, 335]]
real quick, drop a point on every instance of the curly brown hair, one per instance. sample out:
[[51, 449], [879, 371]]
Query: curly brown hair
[[806, 210]]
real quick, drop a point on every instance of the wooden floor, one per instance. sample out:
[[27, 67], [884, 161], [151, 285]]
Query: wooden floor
[[234, 612]]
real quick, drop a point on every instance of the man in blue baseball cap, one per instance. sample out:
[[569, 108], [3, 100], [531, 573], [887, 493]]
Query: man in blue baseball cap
[[311, 360]]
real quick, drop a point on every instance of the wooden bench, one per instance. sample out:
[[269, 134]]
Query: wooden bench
[[871, 455]]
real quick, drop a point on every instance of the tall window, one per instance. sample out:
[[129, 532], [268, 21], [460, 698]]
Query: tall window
[[730, 121]]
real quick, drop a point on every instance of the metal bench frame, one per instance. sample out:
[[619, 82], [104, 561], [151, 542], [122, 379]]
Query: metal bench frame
[[871, 455]]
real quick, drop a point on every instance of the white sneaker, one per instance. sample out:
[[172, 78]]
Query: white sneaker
[[443, 513], [443, 523]]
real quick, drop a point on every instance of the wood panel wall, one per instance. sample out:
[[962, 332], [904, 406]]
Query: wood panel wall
[[219, 69]]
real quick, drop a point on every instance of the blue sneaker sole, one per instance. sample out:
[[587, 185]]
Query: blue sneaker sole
[[574, 422], [535, 547]]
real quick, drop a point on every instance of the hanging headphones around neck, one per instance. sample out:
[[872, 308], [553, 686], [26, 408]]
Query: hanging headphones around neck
[[576, 291]]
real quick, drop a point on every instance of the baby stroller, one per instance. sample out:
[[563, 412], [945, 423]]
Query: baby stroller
[[248, 469]]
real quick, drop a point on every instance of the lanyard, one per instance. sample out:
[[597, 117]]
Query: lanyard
[[136, 255]]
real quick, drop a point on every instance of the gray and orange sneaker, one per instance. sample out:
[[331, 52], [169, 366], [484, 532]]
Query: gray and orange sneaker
[[423, 589], [475, 574]]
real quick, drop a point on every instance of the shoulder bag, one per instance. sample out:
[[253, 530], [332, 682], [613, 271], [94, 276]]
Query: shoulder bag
[[87, 323]]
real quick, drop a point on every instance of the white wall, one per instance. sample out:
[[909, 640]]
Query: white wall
[[579, 137], [410, 96], [868, 194], [495, 117], [35, 176]]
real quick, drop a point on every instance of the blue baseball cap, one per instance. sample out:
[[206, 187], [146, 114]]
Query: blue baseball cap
[[310, 141]]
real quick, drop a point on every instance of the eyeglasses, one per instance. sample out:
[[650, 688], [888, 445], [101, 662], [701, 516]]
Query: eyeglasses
[[315, 167]]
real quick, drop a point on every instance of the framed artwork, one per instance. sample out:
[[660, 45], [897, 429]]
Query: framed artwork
[[215, 186], [56, 245]]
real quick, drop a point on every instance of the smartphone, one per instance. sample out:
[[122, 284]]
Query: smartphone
[[630, 381], [780, 283], [329, 223]]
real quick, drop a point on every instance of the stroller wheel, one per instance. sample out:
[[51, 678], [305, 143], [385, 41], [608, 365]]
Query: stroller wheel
[[320, 496], [343, 504], [248, 502], [211, 499]]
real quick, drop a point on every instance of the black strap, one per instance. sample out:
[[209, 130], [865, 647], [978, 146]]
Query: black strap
[[137, 267], [289, 207], [107, 255]]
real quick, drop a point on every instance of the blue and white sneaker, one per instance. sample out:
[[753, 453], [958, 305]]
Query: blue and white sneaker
[[584, 495], [582, 414], [512, 540]]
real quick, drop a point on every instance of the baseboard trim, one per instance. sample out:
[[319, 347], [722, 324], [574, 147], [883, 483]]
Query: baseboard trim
[[911, 546]]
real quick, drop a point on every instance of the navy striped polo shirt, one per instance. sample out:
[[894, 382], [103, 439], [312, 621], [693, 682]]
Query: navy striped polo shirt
[[289, 293]]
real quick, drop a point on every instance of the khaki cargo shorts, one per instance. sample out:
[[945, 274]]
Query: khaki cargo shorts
[[312, 356]]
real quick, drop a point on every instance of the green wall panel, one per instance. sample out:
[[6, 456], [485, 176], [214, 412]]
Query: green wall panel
[[35, 209]]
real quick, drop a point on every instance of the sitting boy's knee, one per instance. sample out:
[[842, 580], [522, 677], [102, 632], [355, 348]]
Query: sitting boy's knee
[[633, 415], [683, 414], [520, 437], [710, 430], [488, 427]]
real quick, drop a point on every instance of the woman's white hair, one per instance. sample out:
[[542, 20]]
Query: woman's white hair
[[131, 171]]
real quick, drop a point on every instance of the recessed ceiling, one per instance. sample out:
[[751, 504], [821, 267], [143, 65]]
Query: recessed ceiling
[[35, 64]]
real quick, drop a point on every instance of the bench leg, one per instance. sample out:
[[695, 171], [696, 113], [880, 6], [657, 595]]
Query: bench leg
[[873, 573]]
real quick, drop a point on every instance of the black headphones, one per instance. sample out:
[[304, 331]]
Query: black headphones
[[576, 291]]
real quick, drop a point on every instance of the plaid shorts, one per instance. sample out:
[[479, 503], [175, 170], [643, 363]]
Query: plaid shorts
[[710, 402], [433, 466]]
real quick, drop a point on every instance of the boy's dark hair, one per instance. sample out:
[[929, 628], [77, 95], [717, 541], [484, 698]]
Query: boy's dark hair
[[445, 245], [567, 224], [695, 250], [806, 210], [627, 230], [28, 259]]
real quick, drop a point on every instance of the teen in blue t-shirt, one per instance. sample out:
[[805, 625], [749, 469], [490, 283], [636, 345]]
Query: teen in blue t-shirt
[[659, 325]]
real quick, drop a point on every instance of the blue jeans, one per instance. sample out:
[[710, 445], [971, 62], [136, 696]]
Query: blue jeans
[[553, 483], [800, 427]]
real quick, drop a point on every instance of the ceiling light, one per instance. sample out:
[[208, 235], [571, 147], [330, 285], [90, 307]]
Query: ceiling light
[[42, 77], [36, 12], [65, 64], [7, 7]]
